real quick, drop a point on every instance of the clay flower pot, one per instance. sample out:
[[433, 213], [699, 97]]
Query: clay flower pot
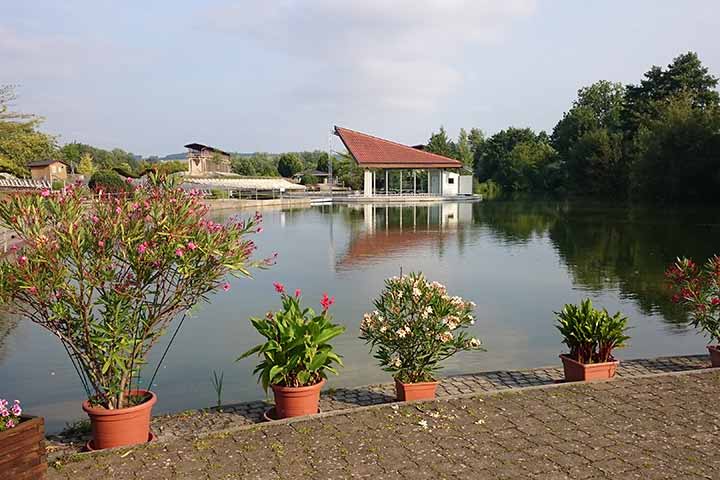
[[587, 372], [714, 355], [407, 392], [22, 450], [121, 427], [297, 401]]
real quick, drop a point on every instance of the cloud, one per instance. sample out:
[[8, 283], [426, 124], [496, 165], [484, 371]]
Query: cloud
[[400, 55]]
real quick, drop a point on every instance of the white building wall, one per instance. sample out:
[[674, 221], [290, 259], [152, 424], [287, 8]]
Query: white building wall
[[466, 185], [368, 183], [450, 182]]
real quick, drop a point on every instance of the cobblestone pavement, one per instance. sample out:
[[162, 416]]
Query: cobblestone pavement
[[167, 427], [662, 426]]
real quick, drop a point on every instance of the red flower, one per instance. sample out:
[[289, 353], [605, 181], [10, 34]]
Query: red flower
[[297, 293], [715, 301], [279, 287], [326, 302]]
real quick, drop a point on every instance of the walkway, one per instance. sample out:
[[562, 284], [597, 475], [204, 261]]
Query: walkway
[[660, 426]]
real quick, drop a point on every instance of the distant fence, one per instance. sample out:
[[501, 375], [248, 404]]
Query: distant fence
[[23, 184]]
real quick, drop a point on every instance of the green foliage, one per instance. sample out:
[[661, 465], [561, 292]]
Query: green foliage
[[297, 352], [697, 290], [678, 152], [591, 334], [108, 275], [289, 164], [417, 325], [256, 165], [440, 144], [86, 165], [102, 159], [217, 382], [108, 181], [308, 179], [58, 184], [219, 193]]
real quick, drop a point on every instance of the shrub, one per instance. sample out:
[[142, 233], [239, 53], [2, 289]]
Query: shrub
[[297, 352], [417, 325], [9, 415], [591, 334], [58, 185], [108, 275], [108, 181], [219, 193], [697, 290]]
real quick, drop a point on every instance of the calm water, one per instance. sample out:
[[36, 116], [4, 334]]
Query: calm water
[[519, 261]]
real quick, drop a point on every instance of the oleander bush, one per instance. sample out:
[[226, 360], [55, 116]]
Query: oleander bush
[[697, 290]]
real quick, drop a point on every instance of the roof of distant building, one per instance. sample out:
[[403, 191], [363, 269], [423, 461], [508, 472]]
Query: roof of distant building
[[200, 146], [45, 163], [374, 152]]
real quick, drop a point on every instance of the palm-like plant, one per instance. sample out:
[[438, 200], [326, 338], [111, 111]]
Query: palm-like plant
[[297, 352], [591, 334]]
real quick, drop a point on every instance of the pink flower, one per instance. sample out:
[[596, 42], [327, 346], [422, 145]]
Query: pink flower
[[279, 287], [32, 290], [22, 260], [128, 181], [101, 243], [95, 219], [10, 424], [179, 252], [118, 210], [16, 410], [326, 302], [715, 301], [259, 230], [142, 247], [226, 287], [4, 412], [191, 246], [297, 293], [45, 192]]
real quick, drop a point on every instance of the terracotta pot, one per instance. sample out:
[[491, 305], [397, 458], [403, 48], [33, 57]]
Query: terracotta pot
[[587, 372], [297, 401], [22, 450], [121, 427], [714, 355], [407, 392]]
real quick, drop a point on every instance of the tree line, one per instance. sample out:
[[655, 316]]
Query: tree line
[[657, 140]]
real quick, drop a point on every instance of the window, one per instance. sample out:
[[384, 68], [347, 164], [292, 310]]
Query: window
[[451, 180]]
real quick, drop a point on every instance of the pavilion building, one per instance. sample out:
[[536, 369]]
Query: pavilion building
[[393, 169]]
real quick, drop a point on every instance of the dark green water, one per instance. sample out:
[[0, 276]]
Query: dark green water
[[519, 261]]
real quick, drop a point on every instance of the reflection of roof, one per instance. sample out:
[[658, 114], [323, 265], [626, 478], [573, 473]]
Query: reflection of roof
[[373, 247], [200, 146], [373, 152], [44, 163], [246, 183]]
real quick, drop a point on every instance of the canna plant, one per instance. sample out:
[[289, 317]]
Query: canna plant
[[296, 352], [107, 275], [591, 334]]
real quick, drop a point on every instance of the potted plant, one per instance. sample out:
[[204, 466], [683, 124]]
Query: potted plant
[[697, 290], [591, 335], [296, 355], [22, 443], [107, 275], [415, 326]]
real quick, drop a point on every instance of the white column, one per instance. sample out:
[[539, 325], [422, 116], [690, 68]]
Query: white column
[[401, 182], [386, 182], [367, 183], [414, 182]]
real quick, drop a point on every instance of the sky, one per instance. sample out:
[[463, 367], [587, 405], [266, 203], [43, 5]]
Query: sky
[[276, 75]]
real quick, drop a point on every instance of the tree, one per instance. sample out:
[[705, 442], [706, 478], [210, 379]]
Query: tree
[[243, 166], [20, 140], [440, 144], [464, 149], [289, 164], [678, 151], [86, 166]]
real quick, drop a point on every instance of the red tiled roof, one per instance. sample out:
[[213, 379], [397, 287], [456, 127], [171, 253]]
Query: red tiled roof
[[374, 152]]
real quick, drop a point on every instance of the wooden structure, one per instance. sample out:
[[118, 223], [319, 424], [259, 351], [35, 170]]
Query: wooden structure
[[400, 170], [203, 160], [48, 170], [22, 450]]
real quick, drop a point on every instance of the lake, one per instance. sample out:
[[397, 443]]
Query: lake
[[519, 261]]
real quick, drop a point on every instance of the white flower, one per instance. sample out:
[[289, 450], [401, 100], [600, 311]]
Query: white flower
[[472, 304], [401, 332], [474, 342], [480, 422], [416, 292], [395, 407], [423, 424], [445, 337], [383, 329]]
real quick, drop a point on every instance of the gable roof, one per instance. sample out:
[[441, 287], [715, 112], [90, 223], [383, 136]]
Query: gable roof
[[200, 146], [45, 163], [373, 152]]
